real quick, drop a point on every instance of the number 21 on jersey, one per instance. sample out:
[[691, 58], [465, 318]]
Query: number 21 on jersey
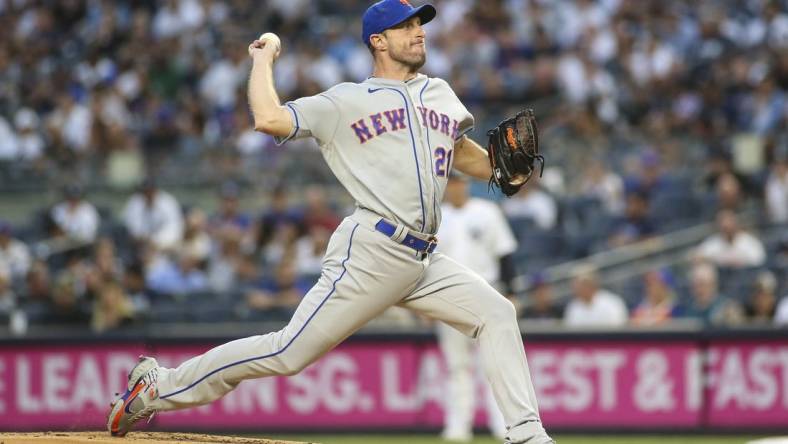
[[442, 158]]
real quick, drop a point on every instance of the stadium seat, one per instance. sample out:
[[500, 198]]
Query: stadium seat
[[169, 311], [738, 283], [210, 311], [674, 210]]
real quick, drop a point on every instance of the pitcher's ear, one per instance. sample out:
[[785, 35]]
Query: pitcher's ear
[[377, 42]]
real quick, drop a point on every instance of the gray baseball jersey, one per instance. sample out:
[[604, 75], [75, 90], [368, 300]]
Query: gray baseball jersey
[[390, 143]]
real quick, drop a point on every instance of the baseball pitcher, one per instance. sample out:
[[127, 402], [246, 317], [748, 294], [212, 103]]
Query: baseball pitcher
[[391, 140]]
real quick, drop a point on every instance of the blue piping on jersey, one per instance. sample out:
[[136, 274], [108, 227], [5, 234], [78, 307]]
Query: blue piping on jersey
[[295, 130], [466, 131], [429, 145], [415, 155], [333, 288]]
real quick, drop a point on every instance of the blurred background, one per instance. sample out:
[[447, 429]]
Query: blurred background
[[137, 202]]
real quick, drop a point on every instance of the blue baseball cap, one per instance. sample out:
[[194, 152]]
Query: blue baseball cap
[[387, 13]]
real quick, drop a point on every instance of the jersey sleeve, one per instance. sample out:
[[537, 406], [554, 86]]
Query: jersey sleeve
[[466, 120], [466, 124], [315, 116]]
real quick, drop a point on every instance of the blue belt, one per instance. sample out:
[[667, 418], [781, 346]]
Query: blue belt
[[420, 245]]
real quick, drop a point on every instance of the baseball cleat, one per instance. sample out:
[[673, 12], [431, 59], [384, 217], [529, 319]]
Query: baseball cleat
[[135, 403]]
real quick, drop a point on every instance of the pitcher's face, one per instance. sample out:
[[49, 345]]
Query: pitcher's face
[[407, 43]]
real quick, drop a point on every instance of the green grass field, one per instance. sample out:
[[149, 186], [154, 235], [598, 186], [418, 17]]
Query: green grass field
[[570, 439]]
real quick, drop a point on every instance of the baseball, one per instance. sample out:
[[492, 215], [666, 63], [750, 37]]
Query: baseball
[[270, 36]]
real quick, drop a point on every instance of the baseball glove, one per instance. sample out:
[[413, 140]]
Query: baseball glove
[[513, 150]]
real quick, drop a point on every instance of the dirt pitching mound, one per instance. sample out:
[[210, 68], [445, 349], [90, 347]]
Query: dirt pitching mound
[[131, 438]]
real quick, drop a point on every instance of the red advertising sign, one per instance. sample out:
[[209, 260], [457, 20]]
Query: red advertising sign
[[402, 384]]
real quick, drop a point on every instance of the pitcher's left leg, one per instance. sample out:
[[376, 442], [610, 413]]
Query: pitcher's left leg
[[495, 419], [453, 294], [459, 407]]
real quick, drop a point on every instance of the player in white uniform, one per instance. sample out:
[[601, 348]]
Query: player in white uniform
[[391, 141], [475, 233]]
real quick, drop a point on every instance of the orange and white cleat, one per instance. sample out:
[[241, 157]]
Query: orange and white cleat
[[135, 403]]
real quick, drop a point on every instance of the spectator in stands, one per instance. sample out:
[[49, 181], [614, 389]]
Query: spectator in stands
[[10, 310], [134, 284], [310, 249], [226, 260], [600, 55], [178, 16], [776, 190], [729, 193], [229, 213], [7, 296], [112, 308], [106, 266], [282, 243], [760, 308], [112, 119], [8, 147], [317, 212], [601, 183], [196, 242], [719, 163], [38, 282], [220, 83], [592, 306], [781, 312], [541, 301], [708, 305], [648, 176], [283, 290], [178, 278], [636, 224], [29, 143], [531, 202], [153, 215], [71, 123], [251, 144], [693, 85], [279, 214], [75, 217], [731, 246], [66, 304], [658, 305], [14, 254], [728, 187], [765, 107]]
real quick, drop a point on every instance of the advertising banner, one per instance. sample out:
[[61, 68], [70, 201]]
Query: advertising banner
[[390, 385], [748, 384]]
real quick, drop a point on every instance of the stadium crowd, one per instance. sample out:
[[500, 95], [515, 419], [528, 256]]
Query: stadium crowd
[[655, 115]]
